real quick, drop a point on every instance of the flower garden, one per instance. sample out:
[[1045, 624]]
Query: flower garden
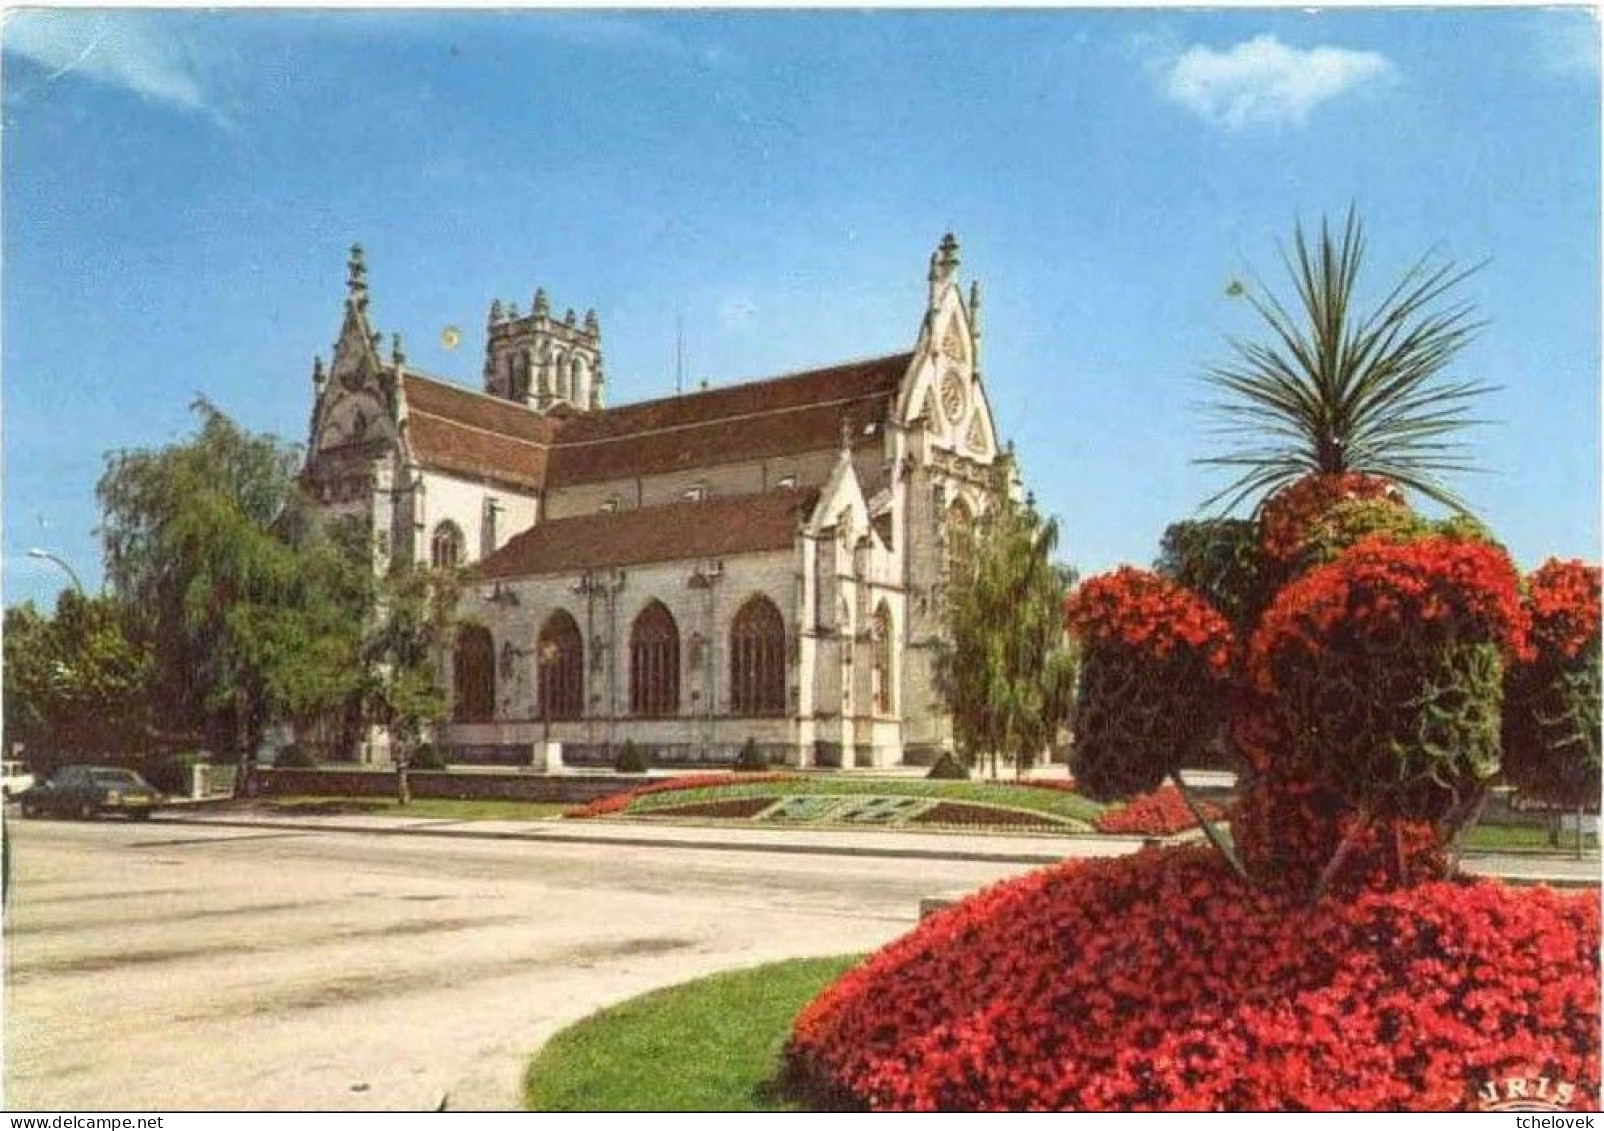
[[1371, 674]]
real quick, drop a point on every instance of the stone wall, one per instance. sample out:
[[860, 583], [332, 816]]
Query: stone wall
[[434, 783]]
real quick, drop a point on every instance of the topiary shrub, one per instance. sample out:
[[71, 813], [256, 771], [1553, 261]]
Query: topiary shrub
[[1295, 522], [948, 768], [1551, 709], [294, 757], [1385, 669], [1154, 672], [426, 757], [751, 760], [630, 760]]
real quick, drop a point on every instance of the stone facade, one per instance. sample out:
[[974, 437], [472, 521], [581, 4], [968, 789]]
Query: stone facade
[[761, 562]]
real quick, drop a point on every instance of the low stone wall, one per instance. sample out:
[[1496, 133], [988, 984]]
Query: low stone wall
[[436, 783]]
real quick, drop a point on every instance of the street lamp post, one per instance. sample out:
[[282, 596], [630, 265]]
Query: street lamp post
[[46, 555]]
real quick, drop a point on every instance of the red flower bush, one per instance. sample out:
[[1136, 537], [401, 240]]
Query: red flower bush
[[1163, 812], [1152, 681], [618, 802], [1552, 700], [1290, 520], [1157, 982], [1138, 610], [1384, 671], [1563, 599]]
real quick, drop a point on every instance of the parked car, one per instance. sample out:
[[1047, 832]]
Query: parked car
[[92, 791], [14, 779]]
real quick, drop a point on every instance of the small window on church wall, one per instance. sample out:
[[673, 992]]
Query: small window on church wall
[[654, 663], [445, 548], [786, 482], [610, 505], [696, 494], [884, 688], [475, 671], [757, 659]]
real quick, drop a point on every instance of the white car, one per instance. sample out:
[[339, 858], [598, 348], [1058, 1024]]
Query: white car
[[14, 778]]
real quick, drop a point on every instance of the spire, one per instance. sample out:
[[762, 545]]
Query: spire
[[974, 308], [542, 307], [319, 376], [512, 311], [568, 319], [592, 323], [356, 278], [495, 311], [943, 268], [398, 356]]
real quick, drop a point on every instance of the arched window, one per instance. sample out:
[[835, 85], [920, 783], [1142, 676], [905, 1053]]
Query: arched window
[[757, 659], [445, 548], [959, 530], [519, 383], [578, 373], [654, 663], [562, 377], [885, 700], [475, 670], [560, 655]]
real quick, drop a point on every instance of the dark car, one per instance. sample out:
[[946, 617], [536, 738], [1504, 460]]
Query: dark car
[[92, 791]]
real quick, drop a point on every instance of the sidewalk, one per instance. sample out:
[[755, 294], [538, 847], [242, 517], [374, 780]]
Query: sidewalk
[[1556, 871]]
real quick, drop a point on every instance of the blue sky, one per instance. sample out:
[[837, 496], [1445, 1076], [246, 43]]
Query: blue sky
[[180, 190]]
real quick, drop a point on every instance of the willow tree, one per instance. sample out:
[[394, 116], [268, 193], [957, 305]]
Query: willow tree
[[1335, 388], [1006, 669]]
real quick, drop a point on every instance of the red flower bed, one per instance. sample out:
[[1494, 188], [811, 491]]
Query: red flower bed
[[1161, 813], [618, 802], [1156, 981], [1133, 608], [1563, 598]]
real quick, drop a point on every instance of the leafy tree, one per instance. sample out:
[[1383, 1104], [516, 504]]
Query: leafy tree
[[75, 683], [189, 550], [1007, 671], [1338, 390], [1217, 558], [402, 692]]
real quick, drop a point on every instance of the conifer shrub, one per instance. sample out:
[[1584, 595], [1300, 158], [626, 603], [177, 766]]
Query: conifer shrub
[[751, 759], [948, 768], [629, 760]]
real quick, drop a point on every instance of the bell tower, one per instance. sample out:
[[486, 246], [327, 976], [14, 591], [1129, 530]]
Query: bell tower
[[543, 362]]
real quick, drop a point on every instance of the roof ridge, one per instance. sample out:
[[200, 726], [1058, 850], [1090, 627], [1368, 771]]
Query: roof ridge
[[791, 376], [452, 386]]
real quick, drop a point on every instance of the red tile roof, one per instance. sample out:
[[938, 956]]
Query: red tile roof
[[780, 416], [716, 527], [457, 430]]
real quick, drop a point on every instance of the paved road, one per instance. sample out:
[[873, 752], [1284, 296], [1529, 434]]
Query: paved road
[[185, 966]]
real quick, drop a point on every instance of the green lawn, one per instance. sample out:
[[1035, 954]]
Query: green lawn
[[435, 807], [1051, 801], [1525, 838], [709, 1045]]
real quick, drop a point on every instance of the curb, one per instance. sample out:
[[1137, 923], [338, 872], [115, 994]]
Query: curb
[[791, 849]]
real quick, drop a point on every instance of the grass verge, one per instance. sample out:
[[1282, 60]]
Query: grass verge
[[1526, 838], [710, 1045], [443, 808]]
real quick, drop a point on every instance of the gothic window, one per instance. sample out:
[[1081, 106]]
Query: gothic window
[[475, 670], [562, 378], [578, 371], [959, 530], [757, 659], [560, 656], [519, 384], [881, 637], [654, 663], [445, 548]]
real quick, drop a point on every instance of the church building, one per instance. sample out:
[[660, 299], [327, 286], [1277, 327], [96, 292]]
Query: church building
[[756, 562]]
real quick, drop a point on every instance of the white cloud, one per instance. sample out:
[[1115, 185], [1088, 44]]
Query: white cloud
[[119, 49], [1264, 82]]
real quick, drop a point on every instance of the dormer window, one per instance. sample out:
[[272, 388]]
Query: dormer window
[[611, 505], [786, 483], [696, 494]]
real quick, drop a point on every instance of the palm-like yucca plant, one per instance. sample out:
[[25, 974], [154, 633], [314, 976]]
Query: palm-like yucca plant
[[1338, 390]]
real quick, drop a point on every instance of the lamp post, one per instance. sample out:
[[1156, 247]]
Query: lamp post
[[46, 555], [548, 656]]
